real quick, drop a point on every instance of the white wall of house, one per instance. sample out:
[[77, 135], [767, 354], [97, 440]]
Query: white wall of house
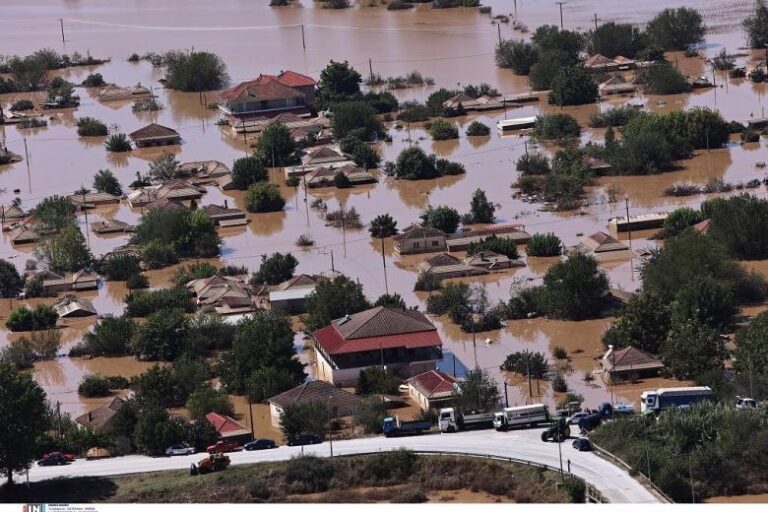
[[275, 411]]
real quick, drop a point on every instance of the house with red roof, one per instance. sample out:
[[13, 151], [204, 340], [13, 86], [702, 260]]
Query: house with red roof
[[399, 340], [269, 96], [432, 389], [228, 429], [629, 364]]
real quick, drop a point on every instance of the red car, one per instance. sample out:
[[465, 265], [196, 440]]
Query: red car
[[55, 459], [223, 447]]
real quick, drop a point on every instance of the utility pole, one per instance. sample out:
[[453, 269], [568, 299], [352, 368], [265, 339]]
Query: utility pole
[[330, 424], [250, 410], [526, 147], [370, 68], [343, 230], [560, 454], [506, 394], [85, 211], [561, 4], [303, 40], [498, 26], [26, 159], [384, 263], [629, 227], [595, 21], [333, 269], [58, 416], [61, 24]]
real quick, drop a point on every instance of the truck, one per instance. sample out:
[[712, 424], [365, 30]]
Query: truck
[[655, 401], [525, 415], [394, 426], [452, 420]]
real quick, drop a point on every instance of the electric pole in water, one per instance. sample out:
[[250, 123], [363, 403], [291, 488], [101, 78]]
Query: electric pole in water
[[595, 20], [561, 4], [384, 263], [61, 24]]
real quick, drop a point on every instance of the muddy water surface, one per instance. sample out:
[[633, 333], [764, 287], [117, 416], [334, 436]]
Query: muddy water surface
[[455, 47]]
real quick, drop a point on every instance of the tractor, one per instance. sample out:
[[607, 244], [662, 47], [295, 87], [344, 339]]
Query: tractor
[[214, 462], [558, 431]]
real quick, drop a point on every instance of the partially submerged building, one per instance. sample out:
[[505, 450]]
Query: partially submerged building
[[471, 104], [107, 226], [223, 215], [324, 176], [112, 92], [461, 241], [291, 295], [317, 157], [616, 85], [225, 295], [446, 266], [71, 306], [603, 247], [102, 418], [629, 364], [178, 190], [269, 96], [207, 171], [70, 281], [416, 239], [402, 340], [154, 135], [92, 199]]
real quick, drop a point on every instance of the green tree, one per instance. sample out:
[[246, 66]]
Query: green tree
[[706, 300], [361, 152], [533, 164], [692, 349], [544, 244], [377, 380], [679, 220], [11, 282], [546, 69], [340, 180], [22, 404], [93, 385], [575, 288], [751, 354], [613, 39], [383, 226], [144, 303], [339, 81], [493, 243], [390, 300], [269, 381], [159, 386], [573, 86], [156, 431], [444, 218], [41, 317], [91, 127], [110, 337], [275, 269], [477, 391], [118, 143], [436, 100], [164, 168], [440, 129], [105, 181], [558, 127], [53, 213], [550, 39], [518, 56], [205, 400], [644, 323], [262, 340], [481, 210], [161, 337], [332, 299], [676, 29], [756, 26], [166, 233], [198, 270], [195, 71], [263, 197], [478, 129], [304, 417], [276, 145], [248, 170], [356, 118], [739, 223], [414, 164], [527, 363], [66, 251], [665, 79]]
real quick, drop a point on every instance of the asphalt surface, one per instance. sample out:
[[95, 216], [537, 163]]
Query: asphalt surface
[[613, 482]]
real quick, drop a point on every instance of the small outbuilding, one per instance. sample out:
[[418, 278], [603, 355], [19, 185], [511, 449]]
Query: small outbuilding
[[339, 402], [432, 389], [154, 135], [228, 429], [630, 363]]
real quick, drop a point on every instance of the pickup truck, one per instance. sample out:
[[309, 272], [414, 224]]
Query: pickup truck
[[223, 447]]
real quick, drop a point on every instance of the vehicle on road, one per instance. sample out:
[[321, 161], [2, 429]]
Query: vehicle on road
[[558, 431], [574, 419], [525, 415], [303, 439], [214, 462], [394, 426], [54, 459], [179, 449], [745, 403], [655, 401], [453, 420], [223, 447], [260, 444], [582, 444]]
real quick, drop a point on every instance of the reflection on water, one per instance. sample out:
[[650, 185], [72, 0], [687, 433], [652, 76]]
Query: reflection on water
[[450, 45]]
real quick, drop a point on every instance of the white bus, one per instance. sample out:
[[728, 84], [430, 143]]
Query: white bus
[[520, 123], [528, 415]]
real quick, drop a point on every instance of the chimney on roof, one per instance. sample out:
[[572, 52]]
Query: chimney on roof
[[608, 354], [226, 203]]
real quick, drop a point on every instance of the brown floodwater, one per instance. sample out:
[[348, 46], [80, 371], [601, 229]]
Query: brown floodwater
[[453, 46]]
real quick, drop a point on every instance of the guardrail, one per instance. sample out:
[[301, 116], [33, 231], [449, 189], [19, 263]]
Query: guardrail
[[622, 463], [592, 494]]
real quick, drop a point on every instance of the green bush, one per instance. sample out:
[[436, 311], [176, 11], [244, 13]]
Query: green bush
[[544, 244], [444, 218], [443, 130], [495, 244], [263, 197], [118, 143], [676, 29], [557, 127], [478, 129], [40, 318], [165, 234], [613, 39], [527, 363], [617, 116], [198, 270], [276, 146], [340, 180], [94, 80], [248, 170], [105, 181], [559, 385], [665, 79], [22, 105], [426, 282], [195, 71], [518, 56], [573, 86], [533, 164], [275, 269], [358, 118], [109, 337], [144, 303], [93, 385], [309, 472], [157, 254]]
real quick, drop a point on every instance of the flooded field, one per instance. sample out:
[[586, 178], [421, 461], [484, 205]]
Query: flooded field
[[454, 47]]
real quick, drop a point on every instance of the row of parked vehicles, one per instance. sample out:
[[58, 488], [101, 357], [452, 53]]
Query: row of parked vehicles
[[224, 446]]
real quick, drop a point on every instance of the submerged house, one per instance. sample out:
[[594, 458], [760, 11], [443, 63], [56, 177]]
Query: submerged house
[[471, 104], [178, 190], [461, 241], [204, 171], [299, 126], [291, 295], [154, 135], [92, 199], [630, 363], [11, 213], [269, 96], [106, 226], [225, 295], [102, 418], [70, 281], [402, 340], [319, 157], [446, 266], [603, 247], [616, 85], [74, 306], [491, 261], [416, 239], [324, 176], [112, 92], [223, 215], [339, 402]]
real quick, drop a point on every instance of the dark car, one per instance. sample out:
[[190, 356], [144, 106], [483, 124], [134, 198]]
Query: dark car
[[582, 444], [303, 439], [260, 444], [53, 459]]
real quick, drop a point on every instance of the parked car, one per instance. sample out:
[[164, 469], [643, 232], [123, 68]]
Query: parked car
[[70, 457], [223, 447], [53, 459], [582, 444], [303, 439], [574, 418], [179, 449], [260, 444]]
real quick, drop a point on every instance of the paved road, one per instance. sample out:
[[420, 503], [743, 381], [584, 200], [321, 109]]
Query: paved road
[[613, 482]]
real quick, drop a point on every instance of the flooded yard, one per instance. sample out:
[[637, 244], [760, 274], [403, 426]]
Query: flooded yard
[[452, 46]]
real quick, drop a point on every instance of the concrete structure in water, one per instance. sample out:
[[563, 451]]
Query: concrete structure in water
[[405, 342]]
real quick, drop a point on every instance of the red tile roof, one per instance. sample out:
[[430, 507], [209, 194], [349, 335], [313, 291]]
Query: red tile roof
[[333, 343], [294, 79], [286, 79], [154, 131], [432, 383], [226, 426], [631, 357]]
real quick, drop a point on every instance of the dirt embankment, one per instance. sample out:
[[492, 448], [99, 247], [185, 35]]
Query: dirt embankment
[[391, 477]]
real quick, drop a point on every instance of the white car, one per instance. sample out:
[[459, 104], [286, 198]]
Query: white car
[[574, 419], [179, 449]]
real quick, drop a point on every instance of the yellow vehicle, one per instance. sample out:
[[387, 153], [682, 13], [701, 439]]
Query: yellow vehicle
[[214, 462]]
